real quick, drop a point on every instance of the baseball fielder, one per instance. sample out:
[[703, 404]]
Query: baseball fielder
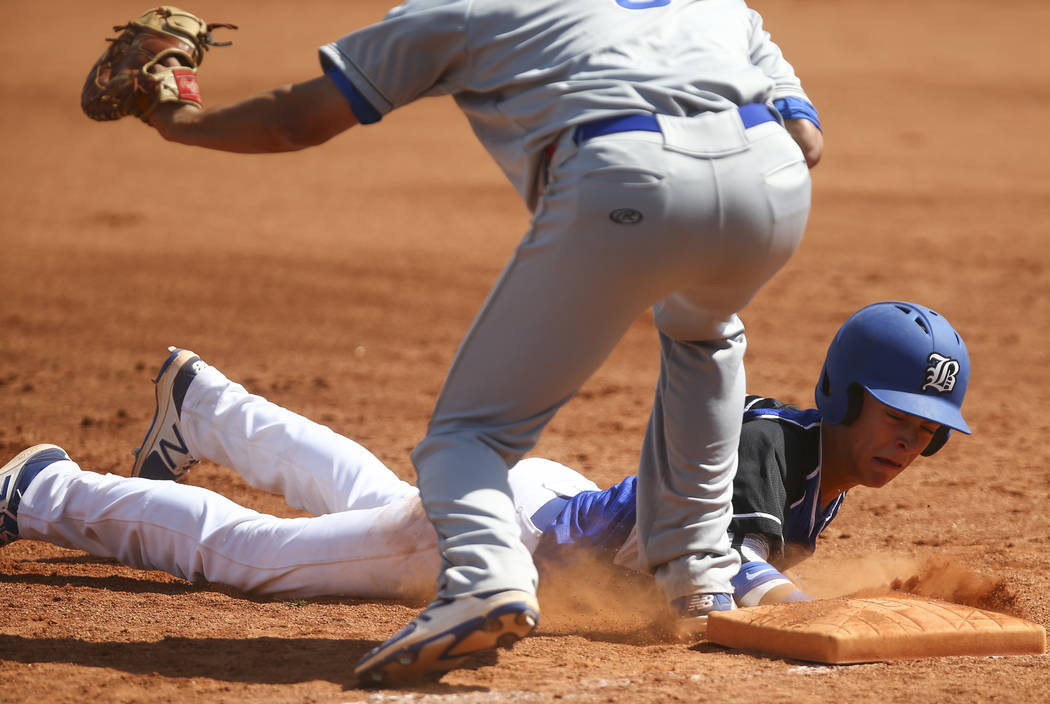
[[891, 389], [662, 147]]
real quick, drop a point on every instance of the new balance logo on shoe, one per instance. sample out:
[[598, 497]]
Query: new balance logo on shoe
[[167, 447], [164, 453]]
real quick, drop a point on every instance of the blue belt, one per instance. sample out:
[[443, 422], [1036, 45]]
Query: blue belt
[[751, 114]]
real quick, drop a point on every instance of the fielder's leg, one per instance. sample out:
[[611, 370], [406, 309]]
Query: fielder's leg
[[575, 285], [689, 458], [684, 507]]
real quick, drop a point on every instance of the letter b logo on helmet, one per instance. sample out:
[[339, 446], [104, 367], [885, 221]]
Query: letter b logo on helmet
[[942, 374], [905, 355]]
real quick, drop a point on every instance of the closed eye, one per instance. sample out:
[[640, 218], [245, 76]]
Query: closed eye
[[926, 428]]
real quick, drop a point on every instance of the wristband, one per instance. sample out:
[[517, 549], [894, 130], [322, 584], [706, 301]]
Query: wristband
[[754, 580], [792, 108]]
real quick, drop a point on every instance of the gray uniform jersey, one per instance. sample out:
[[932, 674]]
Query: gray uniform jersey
[[598, 58]]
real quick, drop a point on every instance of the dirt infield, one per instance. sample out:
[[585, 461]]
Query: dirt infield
[[338, 282]]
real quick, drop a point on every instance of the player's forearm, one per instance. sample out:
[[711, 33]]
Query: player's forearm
[[224, 129], [288, 118]]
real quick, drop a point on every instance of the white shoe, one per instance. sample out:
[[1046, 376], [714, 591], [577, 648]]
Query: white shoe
[[448, 631], [163, 454], [15, 477], [692, 612]]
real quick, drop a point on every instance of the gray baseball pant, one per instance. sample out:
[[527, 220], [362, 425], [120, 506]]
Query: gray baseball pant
[[690, 221]]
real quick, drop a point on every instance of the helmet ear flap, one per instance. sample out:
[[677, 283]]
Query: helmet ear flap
[[855, 399], [937, 441]]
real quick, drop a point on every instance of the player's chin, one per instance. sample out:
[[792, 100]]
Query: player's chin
[[881, 472]]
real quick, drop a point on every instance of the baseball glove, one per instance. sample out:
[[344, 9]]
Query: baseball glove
[[153, 61]]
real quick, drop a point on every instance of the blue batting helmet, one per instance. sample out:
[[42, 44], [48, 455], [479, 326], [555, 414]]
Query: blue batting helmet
[[906, 356]]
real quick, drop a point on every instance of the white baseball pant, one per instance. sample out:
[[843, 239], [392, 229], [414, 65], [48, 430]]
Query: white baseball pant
[[368, 536]]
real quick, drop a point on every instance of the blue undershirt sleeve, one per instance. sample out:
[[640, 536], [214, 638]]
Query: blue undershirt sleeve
[[362, 109]]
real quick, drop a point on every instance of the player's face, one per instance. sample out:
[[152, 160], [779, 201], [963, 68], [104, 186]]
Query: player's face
[[884, 441]]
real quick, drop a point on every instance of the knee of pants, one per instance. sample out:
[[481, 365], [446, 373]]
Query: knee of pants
[[681, 318], [471, 447]]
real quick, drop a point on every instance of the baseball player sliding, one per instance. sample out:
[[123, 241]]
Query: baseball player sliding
[[662, 147], [891, 389]]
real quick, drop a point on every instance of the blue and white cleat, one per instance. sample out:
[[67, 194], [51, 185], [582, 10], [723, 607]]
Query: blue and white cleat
[[15, 477], [163, 453], [446, 633], [692, 612]]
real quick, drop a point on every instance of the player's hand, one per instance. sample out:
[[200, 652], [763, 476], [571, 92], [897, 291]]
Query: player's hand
[[809, 139]]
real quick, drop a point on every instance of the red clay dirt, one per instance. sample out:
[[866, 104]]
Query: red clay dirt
[[338, 281]]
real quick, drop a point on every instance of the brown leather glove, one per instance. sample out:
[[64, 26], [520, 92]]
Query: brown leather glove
[[135, 74]]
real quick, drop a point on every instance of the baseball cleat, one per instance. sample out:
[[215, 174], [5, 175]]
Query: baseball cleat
[[15, 477], [163, 453], [446, 633], [692, 612]]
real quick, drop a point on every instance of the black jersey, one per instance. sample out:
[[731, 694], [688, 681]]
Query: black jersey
[[777, 489]]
